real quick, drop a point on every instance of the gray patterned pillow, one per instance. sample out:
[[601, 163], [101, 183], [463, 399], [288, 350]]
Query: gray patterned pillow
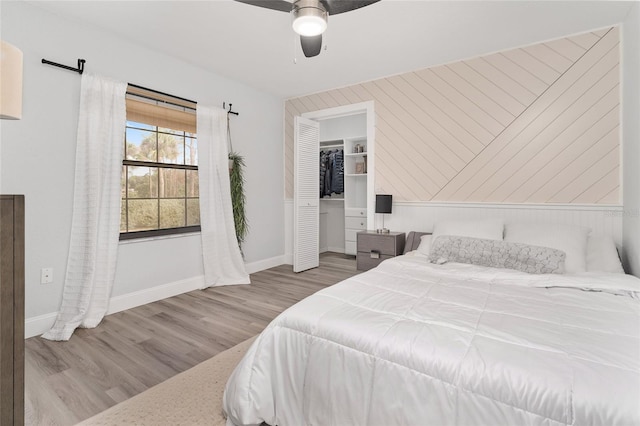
[[497, 254]]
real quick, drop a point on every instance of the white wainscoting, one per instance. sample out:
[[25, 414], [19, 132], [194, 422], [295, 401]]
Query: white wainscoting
[[420, 216]]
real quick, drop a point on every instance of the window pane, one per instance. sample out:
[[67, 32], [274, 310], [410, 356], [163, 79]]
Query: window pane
[[192, 183], [140, 125], [172, 213], [172, 183], [170, 149], [141, 145], [171, 131], [193, 211], [191, 152], [123, 216], [158, 197], [123, 182], [143, 215], [143, 182]]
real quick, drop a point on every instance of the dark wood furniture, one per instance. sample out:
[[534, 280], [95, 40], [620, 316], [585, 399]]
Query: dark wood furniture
[[374, 247], [11, 310]]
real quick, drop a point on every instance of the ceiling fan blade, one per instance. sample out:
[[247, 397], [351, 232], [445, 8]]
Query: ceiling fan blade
[[335, 7], [281, 5], [311, 45]]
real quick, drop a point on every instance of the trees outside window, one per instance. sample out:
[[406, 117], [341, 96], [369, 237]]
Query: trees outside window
[[159, 181]]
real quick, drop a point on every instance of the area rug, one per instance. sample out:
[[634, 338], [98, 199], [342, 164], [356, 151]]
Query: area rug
[[192, 398]]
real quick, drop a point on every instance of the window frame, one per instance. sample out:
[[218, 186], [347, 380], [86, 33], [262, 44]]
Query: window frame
[[149, 233]]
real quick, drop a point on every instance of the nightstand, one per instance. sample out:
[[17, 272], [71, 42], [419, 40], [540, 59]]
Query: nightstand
[[373, 248]]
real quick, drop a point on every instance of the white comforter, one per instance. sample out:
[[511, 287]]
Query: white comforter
[[411, 343]]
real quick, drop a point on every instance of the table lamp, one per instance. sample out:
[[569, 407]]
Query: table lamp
[[383, 206]]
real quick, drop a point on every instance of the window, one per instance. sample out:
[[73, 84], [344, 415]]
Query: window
[[160, 166]]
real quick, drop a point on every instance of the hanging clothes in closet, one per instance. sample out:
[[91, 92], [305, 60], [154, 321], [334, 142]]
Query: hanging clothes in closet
[[331, 172]]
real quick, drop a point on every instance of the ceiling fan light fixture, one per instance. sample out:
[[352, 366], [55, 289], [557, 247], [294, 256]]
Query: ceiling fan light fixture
[[309, 18]]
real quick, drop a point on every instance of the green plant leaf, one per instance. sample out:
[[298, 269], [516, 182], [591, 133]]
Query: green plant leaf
[[238, 199]]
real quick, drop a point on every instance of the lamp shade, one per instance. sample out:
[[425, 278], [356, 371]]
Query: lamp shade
[[383, 203], [10, 81]]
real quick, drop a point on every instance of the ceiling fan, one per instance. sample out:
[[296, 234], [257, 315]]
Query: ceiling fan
[[310, 17]]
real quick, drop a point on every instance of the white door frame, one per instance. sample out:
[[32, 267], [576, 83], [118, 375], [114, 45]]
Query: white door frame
[[353, 109]]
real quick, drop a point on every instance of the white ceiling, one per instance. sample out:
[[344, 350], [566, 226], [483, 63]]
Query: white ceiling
[[255, 46]]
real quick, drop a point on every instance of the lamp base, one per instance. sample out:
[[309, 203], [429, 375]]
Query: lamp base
[[382, 231]]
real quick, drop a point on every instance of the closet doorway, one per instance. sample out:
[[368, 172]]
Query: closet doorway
[[339, 202]]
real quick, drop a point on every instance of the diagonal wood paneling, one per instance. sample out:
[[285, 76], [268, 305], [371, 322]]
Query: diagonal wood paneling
[[537, 124], [581, 87]]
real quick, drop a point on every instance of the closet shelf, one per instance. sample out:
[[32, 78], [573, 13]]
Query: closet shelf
[[355, 174], [331, 199], [356, 154], [322, 147], [356, 139]]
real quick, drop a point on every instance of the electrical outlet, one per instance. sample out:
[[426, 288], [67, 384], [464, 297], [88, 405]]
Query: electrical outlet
[[46, 275]]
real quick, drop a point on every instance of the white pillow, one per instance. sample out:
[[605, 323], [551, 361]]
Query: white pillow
[[488, 229], [602, 255], [425, 245], [570, 239]]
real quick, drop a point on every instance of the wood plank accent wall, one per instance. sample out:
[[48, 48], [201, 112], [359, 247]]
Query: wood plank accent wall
[[538, 124]]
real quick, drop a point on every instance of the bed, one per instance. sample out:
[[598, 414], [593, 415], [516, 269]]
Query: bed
[[411, 342]]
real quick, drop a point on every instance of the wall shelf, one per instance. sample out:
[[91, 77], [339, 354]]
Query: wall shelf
[[332, 144], [323, 147], [356, 139]]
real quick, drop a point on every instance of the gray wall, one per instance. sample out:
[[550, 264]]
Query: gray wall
[[38, 152]]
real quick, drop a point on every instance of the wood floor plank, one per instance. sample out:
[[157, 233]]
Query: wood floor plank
[[133, 350], [39, 395], [149, 371]]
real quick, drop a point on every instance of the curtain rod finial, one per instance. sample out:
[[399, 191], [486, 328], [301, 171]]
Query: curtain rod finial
[[224, 106]]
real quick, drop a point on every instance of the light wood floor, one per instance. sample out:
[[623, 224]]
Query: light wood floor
[[67, 382]]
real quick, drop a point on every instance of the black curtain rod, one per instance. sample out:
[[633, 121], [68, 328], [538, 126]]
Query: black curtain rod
[[162, 93], [160, 100], [79, 69], [224, 106]]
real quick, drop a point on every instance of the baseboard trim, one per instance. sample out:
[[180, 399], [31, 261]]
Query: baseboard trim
[[37, 325], [261, 265], [336, 249], [153, 294]]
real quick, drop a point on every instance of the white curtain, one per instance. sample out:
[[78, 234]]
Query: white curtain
[[223, 264], [96, 207]]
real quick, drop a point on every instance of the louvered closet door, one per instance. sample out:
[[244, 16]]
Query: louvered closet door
[[306, 195]]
